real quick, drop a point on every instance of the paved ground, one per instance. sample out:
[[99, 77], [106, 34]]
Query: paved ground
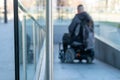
[[7, 51], [96, 71]]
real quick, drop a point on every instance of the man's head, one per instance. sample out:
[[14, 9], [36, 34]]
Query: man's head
[[80, 8]]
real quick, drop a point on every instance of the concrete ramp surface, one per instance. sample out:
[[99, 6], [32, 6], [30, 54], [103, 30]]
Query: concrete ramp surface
[[77, 71]]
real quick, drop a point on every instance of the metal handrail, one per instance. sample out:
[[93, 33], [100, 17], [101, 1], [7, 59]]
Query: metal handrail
[[21, 7]]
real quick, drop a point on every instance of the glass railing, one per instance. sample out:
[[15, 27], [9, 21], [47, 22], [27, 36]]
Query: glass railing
[[108, 33], [108, 27], [31, 41]]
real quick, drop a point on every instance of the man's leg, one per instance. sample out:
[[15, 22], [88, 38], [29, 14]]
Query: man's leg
[[91, 53], [66, 41], [65, 45]]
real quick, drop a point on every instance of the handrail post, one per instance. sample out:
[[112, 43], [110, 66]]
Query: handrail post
[[49, 41], [38, 45], [39, 39], [24, 49], [34, 44], [5, 11]]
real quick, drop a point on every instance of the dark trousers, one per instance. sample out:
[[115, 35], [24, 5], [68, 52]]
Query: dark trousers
[[66, 40], [65, 46]]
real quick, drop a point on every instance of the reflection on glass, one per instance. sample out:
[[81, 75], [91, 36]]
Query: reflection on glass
[[31, 32], [9, 10]]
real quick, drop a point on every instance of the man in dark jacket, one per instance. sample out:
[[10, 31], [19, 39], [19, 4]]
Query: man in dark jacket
[[79, 17]]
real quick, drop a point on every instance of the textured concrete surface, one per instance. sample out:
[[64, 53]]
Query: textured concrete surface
[[96, 71], [108, 53], [59, 30]]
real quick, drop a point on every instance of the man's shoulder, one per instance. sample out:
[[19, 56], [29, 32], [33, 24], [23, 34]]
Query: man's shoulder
[[76, 17]]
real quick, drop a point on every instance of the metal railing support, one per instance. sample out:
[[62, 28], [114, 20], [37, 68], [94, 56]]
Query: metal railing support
[[49, 41], [16, 40], [38, 39], [24, 49], [5, 11], [34, 45]]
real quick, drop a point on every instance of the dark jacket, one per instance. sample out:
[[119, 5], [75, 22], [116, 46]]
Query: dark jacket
[[79, 18]]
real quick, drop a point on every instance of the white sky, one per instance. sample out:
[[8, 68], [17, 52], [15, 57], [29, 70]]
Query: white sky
[[1, 2], [91, 1]]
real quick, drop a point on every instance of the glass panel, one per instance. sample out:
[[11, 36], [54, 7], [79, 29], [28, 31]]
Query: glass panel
[[7, 63], [107, 20], [31, 36]]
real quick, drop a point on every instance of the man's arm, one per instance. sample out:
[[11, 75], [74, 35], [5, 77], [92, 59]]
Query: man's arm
[[90, 22]]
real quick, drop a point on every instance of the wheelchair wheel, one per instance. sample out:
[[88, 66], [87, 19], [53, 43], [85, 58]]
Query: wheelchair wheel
[[62, 56], [69, 55], [90, 56], [89, 60], [62, 60]]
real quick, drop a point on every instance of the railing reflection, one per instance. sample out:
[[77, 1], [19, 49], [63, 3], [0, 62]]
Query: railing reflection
[[31, 37]]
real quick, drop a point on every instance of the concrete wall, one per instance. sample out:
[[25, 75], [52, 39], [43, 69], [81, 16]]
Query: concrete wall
[[59, 30], [107, 52]]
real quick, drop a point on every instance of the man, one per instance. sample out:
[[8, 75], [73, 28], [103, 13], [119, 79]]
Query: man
[[80, 17]]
